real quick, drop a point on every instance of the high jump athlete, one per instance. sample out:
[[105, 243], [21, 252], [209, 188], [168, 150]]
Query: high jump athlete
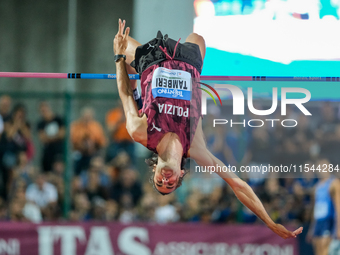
[[169, 122]]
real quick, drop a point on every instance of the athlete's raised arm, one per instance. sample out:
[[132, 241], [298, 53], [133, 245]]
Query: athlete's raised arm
[[242, 190], [135, 124]]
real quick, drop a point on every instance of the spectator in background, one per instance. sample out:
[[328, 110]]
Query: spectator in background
[[16, 138], [219, 147], [30, 211], [23, 171], [119, 136], [44, 194], [3, 210], [95, 181], [118, 164], [261, 147], [87, 138], [2, 148], [228, 207], [238, 139], [5, 114], [16, 211], [292, 153], [166, 212], [304, 186], [191, 209], [328, 133], [82, 206], [94, 188], [51, 134], [111, 210], [22, 210], [213, 135], [303, 132], [98, 208], [260, 153], [96, 165], [5, 107], [148, 203], [205, 183], [127, 186], [205, 210], [328, 118], [76, 186], [56, 178], [128, 213]]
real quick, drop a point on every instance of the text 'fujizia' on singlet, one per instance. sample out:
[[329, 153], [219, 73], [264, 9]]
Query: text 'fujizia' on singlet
[[171, 84]]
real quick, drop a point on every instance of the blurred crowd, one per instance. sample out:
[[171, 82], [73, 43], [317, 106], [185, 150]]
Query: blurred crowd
[[107, 184]]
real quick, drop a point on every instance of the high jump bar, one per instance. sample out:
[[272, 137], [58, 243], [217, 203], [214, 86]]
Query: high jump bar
[[136, 77]]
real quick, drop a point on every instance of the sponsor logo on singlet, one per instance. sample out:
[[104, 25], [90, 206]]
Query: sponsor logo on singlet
[[171, 84]]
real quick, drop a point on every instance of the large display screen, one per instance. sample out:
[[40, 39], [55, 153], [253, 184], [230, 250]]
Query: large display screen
[[270, 37]]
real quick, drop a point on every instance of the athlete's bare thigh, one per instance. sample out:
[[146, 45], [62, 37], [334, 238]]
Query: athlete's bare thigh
[[321, 245], [199, 40]]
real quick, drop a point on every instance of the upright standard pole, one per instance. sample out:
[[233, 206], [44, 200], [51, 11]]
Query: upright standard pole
[[69, 90]]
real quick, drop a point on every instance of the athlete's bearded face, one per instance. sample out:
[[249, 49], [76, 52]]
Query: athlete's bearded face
[[166, 178]]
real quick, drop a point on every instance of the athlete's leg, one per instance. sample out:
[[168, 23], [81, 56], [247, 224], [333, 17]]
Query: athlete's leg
[[130, 51], [326, 241], [199, 40], [321, 245], [130, 56]]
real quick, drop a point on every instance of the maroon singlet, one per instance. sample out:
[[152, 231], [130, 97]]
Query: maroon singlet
[[171, 102]]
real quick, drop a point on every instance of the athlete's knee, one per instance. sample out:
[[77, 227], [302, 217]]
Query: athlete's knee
[[199, 37], [199, 40], [194, 37]]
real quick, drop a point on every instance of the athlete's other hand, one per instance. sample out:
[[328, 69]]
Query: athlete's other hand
[[120, 42], [284, 233]]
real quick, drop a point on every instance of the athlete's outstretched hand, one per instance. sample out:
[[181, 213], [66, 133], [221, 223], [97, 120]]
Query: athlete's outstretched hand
[[284, 233], [120, 42]]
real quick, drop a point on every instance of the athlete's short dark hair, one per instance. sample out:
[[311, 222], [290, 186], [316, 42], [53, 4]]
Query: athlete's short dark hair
[[153, 161]]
